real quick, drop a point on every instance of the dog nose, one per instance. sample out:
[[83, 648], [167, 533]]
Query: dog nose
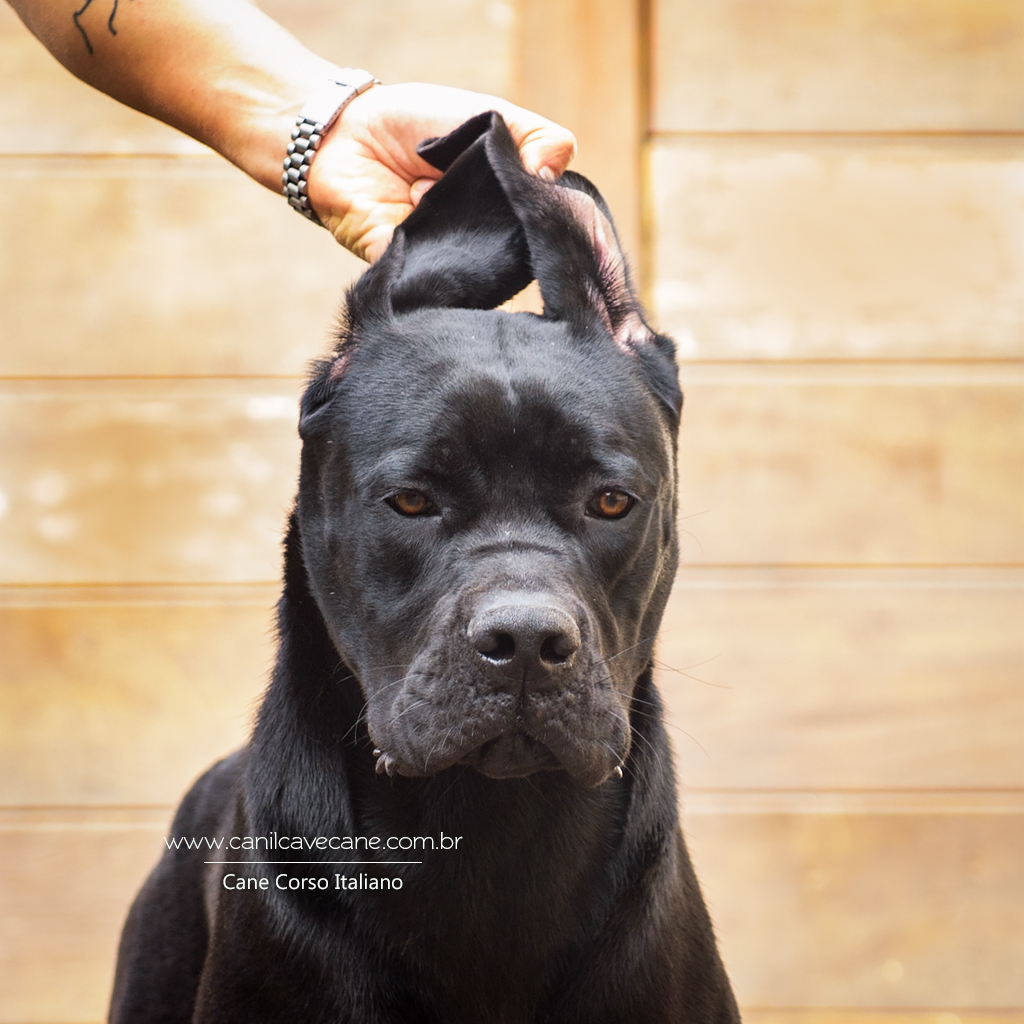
[[527, 633]]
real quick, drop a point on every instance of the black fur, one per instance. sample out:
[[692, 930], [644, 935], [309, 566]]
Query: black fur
[[495, 647]]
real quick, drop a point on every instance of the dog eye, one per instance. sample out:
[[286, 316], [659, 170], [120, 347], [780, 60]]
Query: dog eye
[[611, 504], [411, 503]]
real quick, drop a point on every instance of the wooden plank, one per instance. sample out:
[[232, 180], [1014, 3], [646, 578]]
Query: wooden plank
[[883, 465], [69, 879], [160, 266], [117, 703], [579, 62], [839, 65], [469, 44], [842, 803], [960, 1016], [845, 680], [191, 481], [847, 912], [794, 247], [876, 912], [142, 481], [465, 43]]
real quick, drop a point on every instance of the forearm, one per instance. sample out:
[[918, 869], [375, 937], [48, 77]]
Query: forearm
[[219, 70], [229, 76]]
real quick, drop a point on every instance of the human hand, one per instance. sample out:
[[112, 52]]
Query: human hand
[[367, 177]]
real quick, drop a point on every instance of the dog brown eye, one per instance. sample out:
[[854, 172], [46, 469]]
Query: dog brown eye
[[411, 503], [610, 504]]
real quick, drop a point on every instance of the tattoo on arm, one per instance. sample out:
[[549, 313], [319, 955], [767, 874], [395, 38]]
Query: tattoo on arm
[[84, 34]]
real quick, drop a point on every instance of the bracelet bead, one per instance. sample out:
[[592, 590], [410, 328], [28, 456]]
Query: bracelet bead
[[320, 111]]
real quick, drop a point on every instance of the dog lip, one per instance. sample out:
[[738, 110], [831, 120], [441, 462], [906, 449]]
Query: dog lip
[[512, 755]]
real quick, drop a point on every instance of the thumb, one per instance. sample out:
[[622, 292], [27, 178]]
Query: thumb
[[542, 143], [547, 149]]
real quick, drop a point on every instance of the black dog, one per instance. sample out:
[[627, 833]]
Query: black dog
[[475, 571]]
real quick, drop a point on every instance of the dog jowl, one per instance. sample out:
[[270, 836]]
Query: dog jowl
[[480, 555]]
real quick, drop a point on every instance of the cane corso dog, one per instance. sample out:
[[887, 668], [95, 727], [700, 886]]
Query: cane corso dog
[[480, 553]]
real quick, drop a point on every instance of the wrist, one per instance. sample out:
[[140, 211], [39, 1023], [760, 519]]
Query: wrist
[[252, 118], [257, 139], [317, 117]]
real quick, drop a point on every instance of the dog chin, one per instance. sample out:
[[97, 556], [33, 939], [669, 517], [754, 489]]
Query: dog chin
[[513, 755]]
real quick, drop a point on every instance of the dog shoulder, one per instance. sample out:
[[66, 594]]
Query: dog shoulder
[[164, 942]]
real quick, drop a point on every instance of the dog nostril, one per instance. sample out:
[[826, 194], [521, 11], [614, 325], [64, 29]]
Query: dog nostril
[[497, 646], [527, 632], [557, 649]]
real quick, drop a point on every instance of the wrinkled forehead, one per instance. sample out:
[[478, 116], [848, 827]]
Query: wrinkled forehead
[[469, 382]]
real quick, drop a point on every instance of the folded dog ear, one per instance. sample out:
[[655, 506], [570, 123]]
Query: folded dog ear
[[462, 246], [487, 228]]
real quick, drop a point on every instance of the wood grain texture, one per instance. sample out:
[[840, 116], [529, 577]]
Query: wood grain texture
[[844, 911], [578, 62], [69, 878], [136, 267], [138, 481], [796, 247], [957, 1016], [839, 65], [845, 680], [883, 465], [875, 912], [469, 44], [110, 703], [464, 43]]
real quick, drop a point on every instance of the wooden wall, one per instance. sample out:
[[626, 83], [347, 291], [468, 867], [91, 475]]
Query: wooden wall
[[827, 199], [835, 215]]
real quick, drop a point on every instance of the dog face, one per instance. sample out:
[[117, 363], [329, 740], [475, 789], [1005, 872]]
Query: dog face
[[487, 499]]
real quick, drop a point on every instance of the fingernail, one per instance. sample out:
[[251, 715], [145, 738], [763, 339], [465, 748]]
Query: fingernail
[[546, 174]]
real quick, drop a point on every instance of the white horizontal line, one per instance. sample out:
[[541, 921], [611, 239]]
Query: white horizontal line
[[846, 577], [312, 862], [726, 802]]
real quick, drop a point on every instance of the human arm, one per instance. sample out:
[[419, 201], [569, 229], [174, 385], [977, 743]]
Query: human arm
[[229, 76]]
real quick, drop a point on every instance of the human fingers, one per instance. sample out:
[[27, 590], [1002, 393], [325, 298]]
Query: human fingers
[[368, 176], [546, 148], [391, 121]]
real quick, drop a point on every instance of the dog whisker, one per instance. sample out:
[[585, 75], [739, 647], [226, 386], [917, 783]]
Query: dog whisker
[[626, 650], [683, 672], [673, 725], [438, 745], [410, 707], [693, 537]]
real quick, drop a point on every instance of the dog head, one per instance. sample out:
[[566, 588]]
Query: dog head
[[487, 500]]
